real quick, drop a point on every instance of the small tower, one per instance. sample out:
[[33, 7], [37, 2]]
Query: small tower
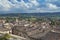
[[17, 20], [4, 21]]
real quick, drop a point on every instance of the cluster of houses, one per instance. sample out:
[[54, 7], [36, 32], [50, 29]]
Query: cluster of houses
[[24, 27], [32, 29]]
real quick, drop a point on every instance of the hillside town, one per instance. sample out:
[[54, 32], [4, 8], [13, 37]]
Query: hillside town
[[30, 29]]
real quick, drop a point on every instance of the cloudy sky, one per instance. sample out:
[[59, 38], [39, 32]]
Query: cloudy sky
[[29, 6]]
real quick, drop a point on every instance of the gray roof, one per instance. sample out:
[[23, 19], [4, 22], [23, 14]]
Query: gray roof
[[2, 28]]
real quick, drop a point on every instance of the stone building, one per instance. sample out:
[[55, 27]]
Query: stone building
[[34, 30]]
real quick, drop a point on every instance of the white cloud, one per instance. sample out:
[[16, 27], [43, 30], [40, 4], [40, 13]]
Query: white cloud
[[34, 2], [24, 5], [8, 4], [51, 0], [5, 4], [51, 6], [31, 6]]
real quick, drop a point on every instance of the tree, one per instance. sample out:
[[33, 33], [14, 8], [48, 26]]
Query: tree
[[5, 37]]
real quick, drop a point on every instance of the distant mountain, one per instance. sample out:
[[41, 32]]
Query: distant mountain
[[31, 14]]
